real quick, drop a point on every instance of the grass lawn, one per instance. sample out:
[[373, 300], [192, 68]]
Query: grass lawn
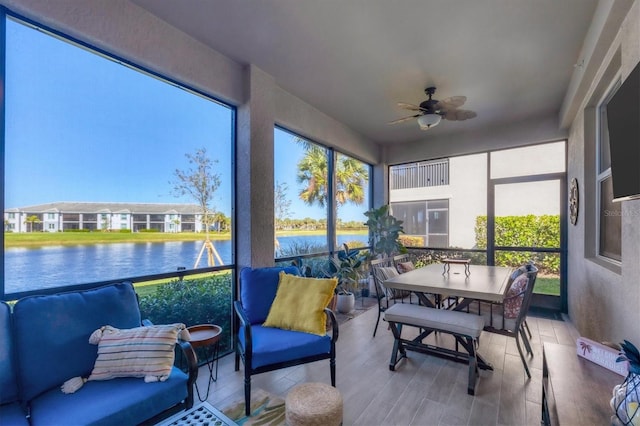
[[548, 285], [41, 239]]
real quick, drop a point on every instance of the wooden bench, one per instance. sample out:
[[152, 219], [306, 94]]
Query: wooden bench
[[447, 265], [466, 329]]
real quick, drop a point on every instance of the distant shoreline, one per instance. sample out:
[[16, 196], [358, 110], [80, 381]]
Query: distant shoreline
[[43, 239]]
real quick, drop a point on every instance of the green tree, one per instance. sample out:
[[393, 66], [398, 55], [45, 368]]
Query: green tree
[[199, 182], [313, 174], [219, 220], [282, 204], [30, 220]]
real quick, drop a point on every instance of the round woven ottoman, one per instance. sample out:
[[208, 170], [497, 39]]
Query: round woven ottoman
[[313, 404]]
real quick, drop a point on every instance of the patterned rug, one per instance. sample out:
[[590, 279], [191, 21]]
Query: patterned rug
[[266, 410]]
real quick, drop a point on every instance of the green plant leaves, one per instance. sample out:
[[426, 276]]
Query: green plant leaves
[[384, 230]]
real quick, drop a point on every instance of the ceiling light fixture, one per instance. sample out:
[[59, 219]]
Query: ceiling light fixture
[[428, 121]]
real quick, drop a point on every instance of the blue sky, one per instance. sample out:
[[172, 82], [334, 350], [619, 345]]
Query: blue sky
[[118, 136]]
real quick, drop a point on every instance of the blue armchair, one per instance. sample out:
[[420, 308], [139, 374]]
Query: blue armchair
[[265, 349]]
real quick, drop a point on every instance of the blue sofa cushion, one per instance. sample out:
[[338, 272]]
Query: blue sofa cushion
[[274, 345], [62, 323], [258, 289], [122, 401], [12, 415], [8, 384]]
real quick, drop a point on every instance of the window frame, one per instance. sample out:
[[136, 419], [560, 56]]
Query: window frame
[[332, 157], [602, 175], [7, 14]]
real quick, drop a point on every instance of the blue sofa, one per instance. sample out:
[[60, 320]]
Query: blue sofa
[[45, 341]]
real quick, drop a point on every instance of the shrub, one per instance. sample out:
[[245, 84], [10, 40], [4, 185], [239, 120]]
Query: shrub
[[523, 231], [193, 301], [149, 230], [410, 241]]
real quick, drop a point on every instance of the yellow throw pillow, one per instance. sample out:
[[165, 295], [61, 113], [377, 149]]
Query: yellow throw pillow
[[299, 304]]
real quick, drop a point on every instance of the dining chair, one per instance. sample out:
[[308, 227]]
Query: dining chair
[[509, 317], [382, 270], [403, 264]]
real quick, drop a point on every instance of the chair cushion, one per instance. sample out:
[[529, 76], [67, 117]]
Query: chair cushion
[[123, 401], [388, 272], [258, 288], [8, 382], [514, 296], [137, 352], [299, 304], [12, 414], [273, 345], [62, 323], [405, 267]]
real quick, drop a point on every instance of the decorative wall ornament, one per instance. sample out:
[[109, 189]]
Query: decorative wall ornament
[[574, 198]]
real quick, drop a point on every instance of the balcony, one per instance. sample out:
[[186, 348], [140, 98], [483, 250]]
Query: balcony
[[419, 175]]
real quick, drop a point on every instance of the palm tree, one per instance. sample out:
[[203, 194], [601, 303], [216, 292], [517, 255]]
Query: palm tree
[[30, 220], [350, 177], [313, 173]]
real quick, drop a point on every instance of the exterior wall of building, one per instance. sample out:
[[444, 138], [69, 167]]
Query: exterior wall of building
[[603, 297], [60, 221], [466, 193], [467, 189]]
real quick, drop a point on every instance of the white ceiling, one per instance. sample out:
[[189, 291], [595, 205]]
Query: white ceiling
[[355, 59]]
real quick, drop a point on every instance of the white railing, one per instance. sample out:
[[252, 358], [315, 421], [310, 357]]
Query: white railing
[[417, 175]]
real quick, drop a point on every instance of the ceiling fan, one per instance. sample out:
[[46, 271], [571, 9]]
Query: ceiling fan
[[431, 111]]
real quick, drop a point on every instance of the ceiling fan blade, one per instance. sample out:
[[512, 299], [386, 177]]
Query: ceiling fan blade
[[459, 114], [452, 102], [402, 120], [410, 107]]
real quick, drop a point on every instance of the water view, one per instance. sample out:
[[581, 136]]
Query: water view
[[54, 266]]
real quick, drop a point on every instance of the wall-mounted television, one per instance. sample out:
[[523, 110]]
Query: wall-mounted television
[[623, 123]]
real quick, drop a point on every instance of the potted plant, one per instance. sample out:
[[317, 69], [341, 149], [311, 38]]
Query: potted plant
[[345, 266], [384, 232]]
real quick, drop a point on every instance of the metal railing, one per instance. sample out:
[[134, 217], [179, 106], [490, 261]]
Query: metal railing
[[417, 175]]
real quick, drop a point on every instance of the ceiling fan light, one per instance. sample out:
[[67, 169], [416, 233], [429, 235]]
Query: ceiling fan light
[[428, 121]]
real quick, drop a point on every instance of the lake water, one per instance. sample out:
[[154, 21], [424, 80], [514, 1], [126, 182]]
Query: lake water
[[55, 266]]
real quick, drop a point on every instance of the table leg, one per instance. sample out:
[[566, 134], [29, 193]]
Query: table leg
[[425, 300], [212, 358]]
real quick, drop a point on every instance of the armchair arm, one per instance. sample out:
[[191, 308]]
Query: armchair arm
[[192, 368], [334, 324], [244, 322]]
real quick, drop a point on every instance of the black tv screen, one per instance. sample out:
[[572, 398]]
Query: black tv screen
[[623, 123]]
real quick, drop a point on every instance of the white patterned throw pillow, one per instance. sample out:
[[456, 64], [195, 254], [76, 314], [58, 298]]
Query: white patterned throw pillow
[[137, 352]]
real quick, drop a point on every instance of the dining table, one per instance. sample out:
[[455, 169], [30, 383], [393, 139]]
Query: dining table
[[480, 282]]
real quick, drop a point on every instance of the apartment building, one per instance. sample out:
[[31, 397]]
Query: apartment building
[[73, 216]]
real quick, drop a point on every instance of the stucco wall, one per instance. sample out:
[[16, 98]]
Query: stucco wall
[[603, 301]]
